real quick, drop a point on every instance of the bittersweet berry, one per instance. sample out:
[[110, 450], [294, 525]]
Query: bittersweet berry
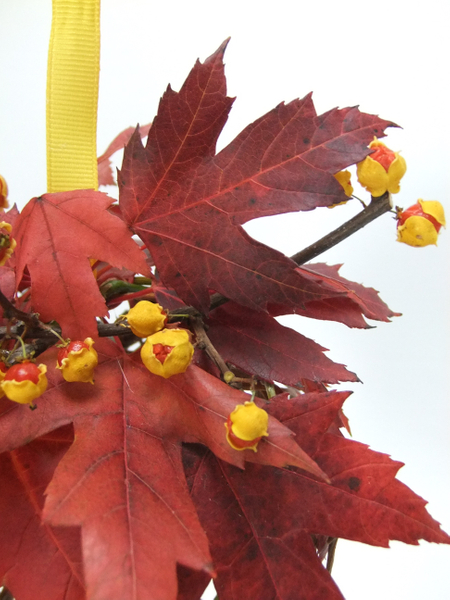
[[3, 369], [382, 170], [25, 382], [167, 352], [7, 243], [246, 425], [77, 361], [419, 225], [3, 194], [344, 178], [146, 318]]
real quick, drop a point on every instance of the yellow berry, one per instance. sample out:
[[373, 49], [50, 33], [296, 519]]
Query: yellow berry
[[146, 318], [25, 382], [77, 361], [382, 170], [167, 352], [246, 425]]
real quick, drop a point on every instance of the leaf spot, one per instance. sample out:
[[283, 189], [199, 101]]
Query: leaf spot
[[354, 483]]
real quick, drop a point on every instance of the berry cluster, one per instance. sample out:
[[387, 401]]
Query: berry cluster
[[25, 381], [381, 172], [167, 352]]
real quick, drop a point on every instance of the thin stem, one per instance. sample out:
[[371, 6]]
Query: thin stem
[[375, 209], [22, 345], [204, 342], [11, 312]]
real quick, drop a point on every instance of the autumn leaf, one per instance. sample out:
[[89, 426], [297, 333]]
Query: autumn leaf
[[105, 173], [256, 343], [261, 523], [191, 584], [128, 488], [51, 555], [355, 302], [122, 480], [188, 204], [56, 236]]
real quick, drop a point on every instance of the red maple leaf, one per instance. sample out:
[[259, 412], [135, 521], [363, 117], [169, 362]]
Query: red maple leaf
[[122, 480], [262, 522], [51, 555], [256, 343], [259, 521], [188, 204], [355, 303], [56, 236], [105, 173]]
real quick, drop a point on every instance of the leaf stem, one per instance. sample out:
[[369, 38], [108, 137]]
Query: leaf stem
[[205, 344]]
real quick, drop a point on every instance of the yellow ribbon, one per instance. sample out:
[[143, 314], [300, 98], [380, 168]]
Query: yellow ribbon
[[72, 95]]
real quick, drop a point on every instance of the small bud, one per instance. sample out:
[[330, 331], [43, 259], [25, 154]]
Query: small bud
[[25, 382], [146, 318], [228, 376], [420, 224], [7, 243], [167, 352], [77, 361], [382, 170], [246, 425]]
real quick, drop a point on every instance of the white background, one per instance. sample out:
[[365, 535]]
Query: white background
[[391, 58]]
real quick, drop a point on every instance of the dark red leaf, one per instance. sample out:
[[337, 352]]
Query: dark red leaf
[[122, 479], [37, 561], [191, 584], [367, 300], [188, 205], [259, 522], [259, 345]]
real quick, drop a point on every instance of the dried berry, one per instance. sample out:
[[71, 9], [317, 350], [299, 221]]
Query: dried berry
[[7, 243], [3, 194]]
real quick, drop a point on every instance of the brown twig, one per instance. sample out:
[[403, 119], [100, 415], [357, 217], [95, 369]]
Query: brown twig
[[205, 344], [375, 209], [11, 312]]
